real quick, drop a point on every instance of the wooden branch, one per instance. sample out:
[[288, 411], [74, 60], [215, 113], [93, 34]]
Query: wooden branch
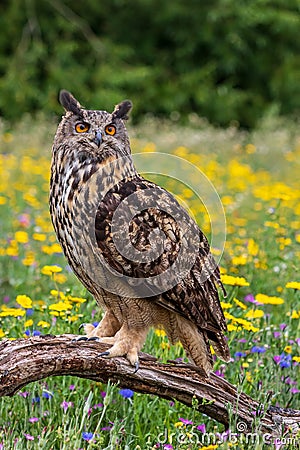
[[26, 360]]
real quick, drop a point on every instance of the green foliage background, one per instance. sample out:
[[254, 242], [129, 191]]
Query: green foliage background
[[226, 60]]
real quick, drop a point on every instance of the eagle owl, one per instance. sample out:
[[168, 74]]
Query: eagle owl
[[129, 241]]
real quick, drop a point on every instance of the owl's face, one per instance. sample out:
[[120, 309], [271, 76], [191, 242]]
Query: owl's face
[[95, 132]]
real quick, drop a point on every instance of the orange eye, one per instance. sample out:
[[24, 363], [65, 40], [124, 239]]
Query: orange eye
[[110, 129], [82, 127]]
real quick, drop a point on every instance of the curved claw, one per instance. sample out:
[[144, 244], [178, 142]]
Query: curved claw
[[104, 354], [81, 338], [137, 366], [81, 326], [93, 338]]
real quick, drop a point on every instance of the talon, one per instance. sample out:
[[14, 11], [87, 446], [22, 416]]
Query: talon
[[137, 366], [81, 338], [104, 354], [93, 338], [81, 326]]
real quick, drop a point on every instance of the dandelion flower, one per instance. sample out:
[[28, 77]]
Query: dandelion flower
[[24, 301], [50, 270], [234, 281], [293, 285], [254, 314], [266, 300]]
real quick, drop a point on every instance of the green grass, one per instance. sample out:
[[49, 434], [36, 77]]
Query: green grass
[[257, 178]]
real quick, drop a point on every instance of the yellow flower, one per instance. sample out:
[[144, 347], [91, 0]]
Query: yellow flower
[[296, 358], [231, 327], [39, 237], [293, 285], [254, 314], [28, 323], [266, 300], [13, 312], [178, 424], [43, 324], [29, 259], [59, 278], [295, 314], [76, 299], [60, 306], [252, 247], [2, 200], [234, 281], [50, 270], [160, 333], [226, 305], [239, 303], [2, 334], [24, 301], [249, 376], [59, 294], [288, 349], [21, 237]]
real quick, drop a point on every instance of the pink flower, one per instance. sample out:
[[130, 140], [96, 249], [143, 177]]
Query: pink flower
[[65, 405], [33, 419], [29, 437]]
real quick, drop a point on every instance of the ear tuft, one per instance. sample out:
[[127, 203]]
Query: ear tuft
[[69, 102], [121, 110]]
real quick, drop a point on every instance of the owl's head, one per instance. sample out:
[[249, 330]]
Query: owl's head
[[91, 130]]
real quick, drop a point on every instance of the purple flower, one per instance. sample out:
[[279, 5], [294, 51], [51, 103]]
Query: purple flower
[[283, 326], [33, 419], [277, 334], [284, 361], [27, 332], [47, 394], [168, 447], [65, 405], [294, 390], [36, 399], [202, 428], [29, 312], [257, 349], [250, 298], [242, 341], [126, 393], [24, 394], [239, 354], [87, 436], [219, 373], [72, 387], [36, 333], [29, 437], [106, 428], [185, 421]]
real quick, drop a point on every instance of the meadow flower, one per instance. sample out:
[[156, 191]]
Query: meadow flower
[[254, 314], [267, 300], [288, 349], [126, 393], [234, 281], [47, 394], [293, 285], [65, 405], [29, 437], [87, 436], [239, 354], [33, 419], [276, 334], [284, 361], [24, 301], [257, 349], [185, 421], [201, 428], [50, 270]]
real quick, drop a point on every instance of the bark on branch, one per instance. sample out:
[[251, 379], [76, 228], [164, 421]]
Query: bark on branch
[[26, 360]]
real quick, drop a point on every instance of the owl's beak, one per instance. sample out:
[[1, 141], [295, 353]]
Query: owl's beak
[[98, 138]]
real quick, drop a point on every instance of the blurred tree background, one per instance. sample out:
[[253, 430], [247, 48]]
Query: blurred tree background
[[225, 60]]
